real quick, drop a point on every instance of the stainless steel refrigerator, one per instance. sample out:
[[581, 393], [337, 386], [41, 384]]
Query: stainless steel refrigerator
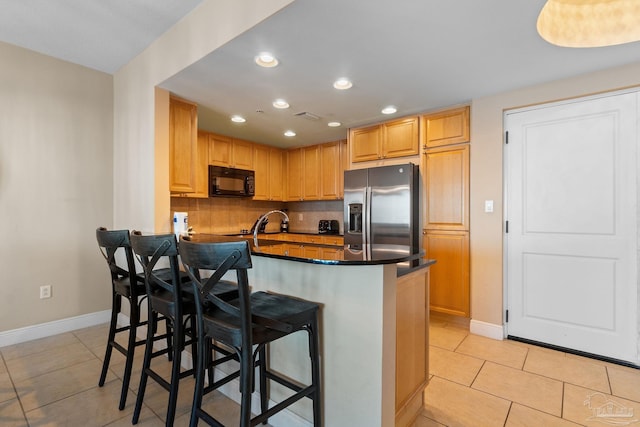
[[381, 208]]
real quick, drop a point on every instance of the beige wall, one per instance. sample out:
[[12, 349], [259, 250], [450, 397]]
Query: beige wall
[[56, 122], [487, 179]]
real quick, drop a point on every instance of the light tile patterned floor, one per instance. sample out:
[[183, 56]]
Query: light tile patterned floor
[[476, 381], [53, 382]]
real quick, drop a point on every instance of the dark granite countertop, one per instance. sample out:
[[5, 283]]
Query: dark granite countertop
[[408, 259]]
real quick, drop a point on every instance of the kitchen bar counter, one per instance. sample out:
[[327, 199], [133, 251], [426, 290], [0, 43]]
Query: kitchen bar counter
[[374, 334], [275, 246]]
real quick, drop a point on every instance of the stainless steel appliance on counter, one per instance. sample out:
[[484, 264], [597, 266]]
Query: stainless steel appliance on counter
[[381, 208], [328, 226]]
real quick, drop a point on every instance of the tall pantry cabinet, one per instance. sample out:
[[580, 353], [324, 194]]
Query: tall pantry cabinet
[[446, 227]]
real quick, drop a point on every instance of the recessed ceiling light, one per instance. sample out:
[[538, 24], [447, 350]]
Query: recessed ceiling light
[[238, 119], [289, 133], [266, 59], [389, 110], [334, 124], [280, 103], [342, 83]]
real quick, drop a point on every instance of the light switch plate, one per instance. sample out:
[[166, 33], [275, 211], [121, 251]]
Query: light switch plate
[[488, 206]]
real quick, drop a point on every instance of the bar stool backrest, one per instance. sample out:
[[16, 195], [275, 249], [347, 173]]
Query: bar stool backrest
[[109, 243], [220, 258], [150, 249]]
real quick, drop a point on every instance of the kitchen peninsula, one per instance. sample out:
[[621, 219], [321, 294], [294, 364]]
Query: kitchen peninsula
[[374, 325]]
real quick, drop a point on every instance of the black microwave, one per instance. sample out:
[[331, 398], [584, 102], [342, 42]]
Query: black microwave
[[230, 182]]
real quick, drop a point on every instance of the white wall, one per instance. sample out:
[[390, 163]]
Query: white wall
[[56, 122], [487, 177]]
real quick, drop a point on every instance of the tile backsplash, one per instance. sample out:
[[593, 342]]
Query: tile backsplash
[[221, 215]]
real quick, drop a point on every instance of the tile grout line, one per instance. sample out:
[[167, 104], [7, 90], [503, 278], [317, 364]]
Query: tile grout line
[[15, 390]]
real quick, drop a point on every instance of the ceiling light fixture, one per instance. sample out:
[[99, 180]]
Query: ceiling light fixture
[[389, 110], [238, 119], [334, 124], [266, 59], [281, 104], [589, 23], [342, 83], [289, 133]]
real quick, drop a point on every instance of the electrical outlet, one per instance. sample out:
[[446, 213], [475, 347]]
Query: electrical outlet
[[300, 217], [45, 291]]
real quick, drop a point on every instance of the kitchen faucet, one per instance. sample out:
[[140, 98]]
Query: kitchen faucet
[[261, 219]]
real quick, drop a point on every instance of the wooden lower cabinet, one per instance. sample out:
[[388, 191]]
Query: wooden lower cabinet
[[332, 253], [449, 282]]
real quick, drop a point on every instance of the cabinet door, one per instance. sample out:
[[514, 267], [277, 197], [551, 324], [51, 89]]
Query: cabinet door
[[344, 159], [446, 128], [332, 253], [449, 280], [183, 141], [295, 175], [400, 138], [365, 143], [313, 252], [295, 249], [331, 170], [220, 150], [261, 168], [276, 169], [242, 157], [202, 170], [311, 172], [447, 188]]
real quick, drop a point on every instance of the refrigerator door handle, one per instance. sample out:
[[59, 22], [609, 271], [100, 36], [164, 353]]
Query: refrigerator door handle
[[366, 223]]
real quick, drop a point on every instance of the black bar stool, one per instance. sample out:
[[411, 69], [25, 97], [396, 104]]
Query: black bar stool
[[177, 304], [253, 319], [125, 283]]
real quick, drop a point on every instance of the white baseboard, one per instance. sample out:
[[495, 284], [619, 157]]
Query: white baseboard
[[42, 330], [485, 329]]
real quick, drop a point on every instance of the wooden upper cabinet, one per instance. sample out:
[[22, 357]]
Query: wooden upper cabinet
[[268, 164], [446, 128], [332, 170], [276, 171], [397, 138], [261, 168], [202, 169], [365, 143], [220, 151], [447, 188], [303, 173], [295, 175], [400, 138], [311, 172], [242, 154], [183, 141], [230, 152]]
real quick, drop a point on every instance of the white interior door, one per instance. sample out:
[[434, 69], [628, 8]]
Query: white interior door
[[571, 207]]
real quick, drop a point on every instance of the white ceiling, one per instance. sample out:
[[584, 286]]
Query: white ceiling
[[99, 34], [419, 55]]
